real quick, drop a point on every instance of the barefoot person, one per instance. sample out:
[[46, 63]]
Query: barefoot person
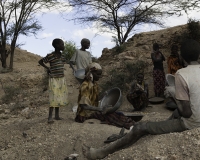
[[88, 101], [138, 94], [57, 83], [82, 58], [187, 83]]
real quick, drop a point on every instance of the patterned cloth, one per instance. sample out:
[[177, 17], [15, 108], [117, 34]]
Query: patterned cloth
[[88, 94], [137, 97], [173, 64], [56, 65], [159, 81], [58, 93]]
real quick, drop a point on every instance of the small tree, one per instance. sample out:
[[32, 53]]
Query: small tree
[[69, 50], [192, 31], [18, 17]]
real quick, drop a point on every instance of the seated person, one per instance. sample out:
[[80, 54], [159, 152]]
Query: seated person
[[187, 97], [138, 95], [88, 101]]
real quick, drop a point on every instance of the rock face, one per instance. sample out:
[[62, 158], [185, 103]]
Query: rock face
[[141, 44]]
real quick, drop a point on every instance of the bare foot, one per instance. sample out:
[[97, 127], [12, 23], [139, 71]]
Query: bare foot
[[58, 118], [86, 152], [50, 120]]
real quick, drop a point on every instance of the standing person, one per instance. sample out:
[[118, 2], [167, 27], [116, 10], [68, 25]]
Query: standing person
[[138, 94], [88, 101], [57, 83], [158, 71], [174, 61], [187, 94], [82, 58]]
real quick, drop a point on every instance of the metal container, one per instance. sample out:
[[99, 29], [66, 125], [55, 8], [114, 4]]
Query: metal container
[[79, 74], [170, 79], [113, 98]]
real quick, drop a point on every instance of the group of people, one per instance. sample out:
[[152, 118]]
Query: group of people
[[174, 63], [187, 93], [139, 92], [88, 90]]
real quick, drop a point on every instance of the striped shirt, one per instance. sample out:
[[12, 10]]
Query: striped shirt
[[56, 65]]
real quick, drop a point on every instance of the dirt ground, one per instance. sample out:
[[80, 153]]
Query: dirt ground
[[26, 135]]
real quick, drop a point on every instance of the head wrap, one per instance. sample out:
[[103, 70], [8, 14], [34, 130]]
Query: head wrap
[[91, 67]]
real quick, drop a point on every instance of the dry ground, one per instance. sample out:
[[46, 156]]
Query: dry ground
[[25, 134]]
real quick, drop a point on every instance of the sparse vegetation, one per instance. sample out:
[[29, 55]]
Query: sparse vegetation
[[123, 77], [69, 50], [118, 48], [192, 32], [10, 94]]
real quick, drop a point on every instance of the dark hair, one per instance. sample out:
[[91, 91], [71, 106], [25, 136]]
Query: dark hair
[[190, 50], [155, 46], [84, 40], [56, 41]]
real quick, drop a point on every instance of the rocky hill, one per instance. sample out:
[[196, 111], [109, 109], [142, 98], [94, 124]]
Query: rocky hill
[[25, 134]]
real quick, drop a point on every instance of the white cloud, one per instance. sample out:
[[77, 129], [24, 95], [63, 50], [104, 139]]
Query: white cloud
[[46, 35]]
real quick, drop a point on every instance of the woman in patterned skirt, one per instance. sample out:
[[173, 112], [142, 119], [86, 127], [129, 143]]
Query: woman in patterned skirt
[[158, 71]]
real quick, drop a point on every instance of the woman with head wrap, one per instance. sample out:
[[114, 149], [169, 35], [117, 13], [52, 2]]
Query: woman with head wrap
[[88, 101]]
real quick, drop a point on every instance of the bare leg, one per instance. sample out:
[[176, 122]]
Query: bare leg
[[50, 119], [135, 134], [57, 117]]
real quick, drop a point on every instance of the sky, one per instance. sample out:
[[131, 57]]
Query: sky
[[54, 26]]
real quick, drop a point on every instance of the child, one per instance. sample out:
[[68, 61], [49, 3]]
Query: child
[[138, 94], [57, 83], [81, 57]]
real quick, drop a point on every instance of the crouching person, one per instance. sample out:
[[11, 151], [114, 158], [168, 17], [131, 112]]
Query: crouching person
[[88, 101]]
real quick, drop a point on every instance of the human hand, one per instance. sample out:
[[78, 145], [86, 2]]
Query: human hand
[[48, 71], [106, 109]]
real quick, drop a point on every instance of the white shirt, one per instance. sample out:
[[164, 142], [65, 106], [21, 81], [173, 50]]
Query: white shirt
[[187, 84], [81, 59]]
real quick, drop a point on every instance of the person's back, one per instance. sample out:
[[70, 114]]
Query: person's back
[[191, 77], [81, 57]]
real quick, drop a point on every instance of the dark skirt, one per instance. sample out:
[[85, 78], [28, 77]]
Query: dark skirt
[[117, 119], [159, 81]]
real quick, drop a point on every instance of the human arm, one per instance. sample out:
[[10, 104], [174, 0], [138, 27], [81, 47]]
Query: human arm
[[73, 58], [163, 57], [182, 97], [146, 89], [106, 109], [41, 62], [157, 57], [184, 108]]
